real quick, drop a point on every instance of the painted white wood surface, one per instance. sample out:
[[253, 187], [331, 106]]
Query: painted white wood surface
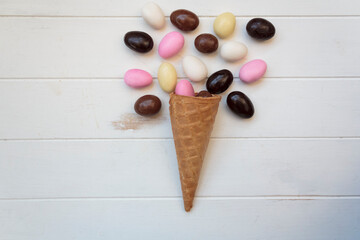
[[76, 163], [94, 48], [46, 109], [202, 8], [212, 219], [148, 168]]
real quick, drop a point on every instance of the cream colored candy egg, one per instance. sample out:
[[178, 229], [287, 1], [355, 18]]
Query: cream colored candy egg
[[167, 77], [224, 24], [153, 15], [233, 51], [194, 68]]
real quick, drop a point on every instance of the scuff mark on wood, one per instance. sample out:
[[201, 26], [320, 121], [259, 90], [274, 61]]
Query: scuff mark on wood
[[56, 87], [132, 121], [297, 199]]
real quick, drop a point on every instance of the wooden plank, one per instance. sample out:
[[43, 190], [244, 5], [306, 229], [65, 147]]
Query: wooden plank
[[165, 219], [40, 109], [94, 48], [148, 168], [126, 8]]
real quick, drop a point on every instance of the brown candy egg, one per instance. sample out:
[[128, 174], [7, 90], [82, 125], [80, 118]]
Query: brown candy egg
[[206, 43], [147, 105], [184, 20]]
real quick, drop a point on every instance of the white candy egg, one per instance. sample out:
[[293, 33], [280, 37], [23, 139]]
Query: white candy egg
[[153, 15], [194, 68], [233, 51]]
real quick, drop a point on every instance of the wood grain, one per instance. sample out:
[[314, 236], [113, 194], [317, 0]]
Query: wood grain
[[148, 168], [165, 219], [126, 8], [94, 48]]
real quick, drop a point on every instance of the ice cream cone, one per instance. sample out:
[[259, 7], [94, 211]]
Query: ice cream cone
[[192, 120]]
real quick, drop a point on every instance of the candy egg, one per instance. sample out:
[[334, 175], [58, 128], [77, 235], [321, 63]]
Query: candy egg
[[184, 87], [219, 81], [233, 51], [147, 105], [240, 104], [171, 44], [260, 29], [224, 24], [206, 43], [138, 41], [153, 15], [137, 78], [194, 68], [167, 77], [184, 20], [252, 71]]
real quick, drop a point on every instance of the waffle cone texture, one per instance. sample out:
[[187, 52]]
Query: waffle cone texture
[[192, 120]]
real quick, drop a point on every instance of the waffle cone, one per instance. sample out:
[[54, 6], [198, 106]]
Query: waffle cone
[[192, 120]]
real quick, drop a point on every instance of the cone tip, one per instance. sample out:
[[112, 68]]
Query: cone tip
[[187, 206], [187, 209]]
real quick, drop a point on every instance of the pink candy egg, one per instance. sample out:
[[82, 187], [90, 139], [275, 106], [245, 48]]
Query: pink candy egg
[[252, 71], [171, 44], [137, 78], [184, 87]]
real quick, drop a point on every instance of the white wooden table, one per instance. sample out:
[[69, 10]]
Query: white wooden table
[[76, 163]]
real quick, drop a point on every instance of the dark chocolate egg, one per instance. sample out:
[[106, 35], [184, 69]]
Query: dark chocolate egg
[[206, 43], [260, 29], [138, 41], [219, 81], [184, 20], [147, 105], [240, 104]]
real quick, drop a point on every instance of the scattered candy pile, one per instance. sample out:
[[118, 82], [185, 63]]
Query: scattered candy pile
[[194, 68]]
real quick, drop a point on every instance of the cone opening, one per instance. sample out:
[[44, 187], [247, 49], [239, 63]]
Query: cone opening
[[198, 98]]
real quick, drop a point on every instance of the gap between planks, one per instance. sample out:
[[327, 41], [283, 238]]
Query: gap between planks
[[282, 78], [167, 16], [169, 138], [260, 197]]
